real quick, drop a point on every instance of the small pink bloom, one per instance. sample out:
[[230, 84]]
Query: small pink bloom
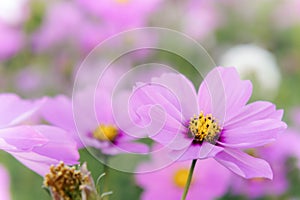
[[61, 29], [201, 19], [94, 124], [60, 25], [36, 146], [11, 41], [216, 123], [210, 181], [276, 154]]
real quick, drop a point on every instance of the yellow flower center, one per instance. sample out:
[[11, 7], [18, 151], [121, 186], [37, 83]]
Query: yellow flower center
[[204, 128], [122, 1], [180, 177], [105, 133]]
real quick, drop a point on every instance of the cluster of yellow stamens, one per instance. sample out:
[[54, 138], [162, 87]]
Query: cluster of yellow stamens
[[105, 133], [65, 181], [204, 128]]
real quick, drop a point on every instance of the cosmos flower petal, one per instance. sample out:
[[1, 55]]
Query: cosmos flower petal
[[253, 134], [194, 151], [159, 107], [165, 129], [21, 138], [36, 162], [255, 111], [157, 96], [178, 102], [16, 110], [58, 141], [223, 93], [243, 164], [58, 112], [184, 91], [85, 112], [38, 154]]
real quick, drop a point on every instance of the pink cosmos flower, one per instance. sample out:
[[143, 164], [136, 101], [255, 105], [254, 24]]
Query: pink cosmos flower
[[94, 124], [38, 146], [4, 184], [211, 181], [61, 22], [215, 123], [277, 155], [61, 26], [11, 41]]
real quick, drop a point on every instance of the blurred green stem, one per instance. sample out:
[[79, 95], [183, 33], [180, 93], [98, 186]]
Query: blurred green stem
[[188, 182]]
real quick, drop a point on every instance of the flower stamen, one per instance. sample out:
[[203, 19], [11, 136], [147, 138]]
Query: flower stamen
[[105, 133], [64, 181], [204, 128]]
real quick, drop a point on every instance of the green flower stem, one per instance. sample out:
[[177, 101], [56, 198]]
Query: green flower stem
[[188, 182], [106, 178]]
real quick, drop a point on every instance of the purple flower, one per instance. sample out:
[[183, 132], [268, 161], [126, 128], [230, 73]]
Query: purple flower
[[94, 124], [38, 146], [113, 12], [4, 184], [52, 34], [215, 123], [11, 41], [276, 154], [211, 181], [201, 19]]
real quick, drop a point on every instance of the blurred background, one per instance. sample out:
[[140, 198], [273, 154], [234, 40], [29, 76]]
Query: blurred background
[[42, 44]]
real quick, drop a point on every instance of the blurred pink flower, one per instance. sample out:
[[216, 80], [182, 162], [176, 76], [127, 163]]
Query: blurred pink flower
[[38, 146], [210, 181], [12, 15], [4, 184], [121, 14], [295, 117], [11, 39], [277, 155], [201, 18], [60, 25], [30, 81], [216, 123], [287, 13], [67, 26]]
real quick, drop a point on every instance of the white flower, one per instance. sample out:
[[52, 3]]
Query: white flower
[[12, 11], [252, 61]]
